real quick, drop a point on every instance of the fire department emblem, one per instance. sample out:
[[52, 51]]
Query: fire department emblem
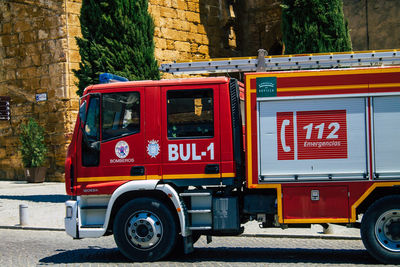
[[153, 148], [122, 149]]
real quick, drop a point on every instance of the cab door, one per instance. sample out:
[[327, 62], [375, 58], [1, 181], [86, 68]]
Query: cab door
[[191, 135], [88, 141], [122, 135], [112, 142]]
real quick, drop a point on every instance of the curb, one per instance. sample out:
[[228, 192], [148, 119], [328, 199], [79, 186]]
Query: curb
[[31, 228]]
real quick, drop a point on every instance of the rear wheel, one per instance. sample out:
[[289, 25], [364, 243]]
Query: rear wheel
[[145, 230], [380, 229]]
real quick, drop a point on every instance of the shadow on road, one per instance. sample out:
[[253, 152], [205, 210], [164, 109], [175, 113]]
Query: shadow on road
[[92, 254], [39, 198], [223, 254]]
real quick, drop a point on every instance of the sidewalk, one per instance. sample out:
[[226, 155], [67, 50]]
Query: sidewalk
[[45, 201], [46, 211]]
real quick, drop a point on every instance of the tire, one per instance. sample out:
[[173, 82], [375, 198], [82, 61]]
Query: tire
[[145, 230], [380, 229]]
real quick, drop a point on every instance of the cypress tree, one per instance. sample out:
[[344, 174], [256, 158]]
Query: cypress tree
[[117, 37], [314, 26]]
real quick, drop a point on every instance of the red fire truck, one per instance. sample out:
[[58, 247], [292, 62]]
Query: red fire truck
[[159, 163]]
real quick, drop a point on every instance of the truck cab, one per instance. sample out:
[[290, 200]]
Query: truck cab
[[177, 132], [154, 139]]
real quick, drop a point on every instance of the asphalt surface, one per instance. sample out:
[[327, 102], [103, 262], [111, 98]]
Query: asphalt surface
[[55, 248], [42, 241], [46, 211]]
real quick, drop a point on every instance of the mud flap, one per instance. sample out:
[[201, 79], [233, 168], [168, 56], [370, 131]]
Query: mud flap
[[187, 244]]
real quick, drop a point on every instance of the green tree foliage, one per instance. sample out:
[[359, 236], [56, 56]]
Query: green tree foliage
[[117, 37], [33, 148], [314, 26]]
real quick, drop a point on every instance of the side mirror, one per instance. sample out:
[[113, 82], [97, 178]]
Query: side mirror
[[95, 146]]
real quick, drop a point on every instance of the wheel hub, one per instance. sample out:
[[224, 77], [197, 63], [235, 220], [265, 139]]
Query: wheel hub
[[393, 230], [387, 230], [144, 230]]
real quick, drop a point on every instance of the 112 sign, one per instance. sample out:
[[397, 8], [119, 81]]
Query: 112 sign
[[320, 134]]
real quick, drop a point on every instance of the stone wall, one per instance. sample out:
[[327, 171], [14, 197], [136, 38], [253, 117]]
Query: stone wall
[[373, 24], [192, 29], [73, 30], [34, 59], [38, 52], [259, 26]]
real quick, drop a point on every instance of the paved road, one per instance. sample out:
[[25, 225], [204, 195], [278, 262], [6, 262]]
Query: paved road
[[32, 248]]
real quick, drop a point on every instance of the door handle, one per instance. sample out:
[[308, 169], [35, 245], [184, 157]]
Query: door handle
[[212, 169], [137, 171]]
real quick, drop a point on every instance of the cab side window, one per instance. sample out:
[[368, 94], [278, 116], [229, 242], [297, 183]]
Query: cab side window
[[120, 114], [92, 120], [91, 154], [190, 114]]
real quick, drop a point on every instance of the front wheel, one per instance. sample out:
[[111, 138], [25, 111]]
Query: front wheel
[[145, 230], [380, 229]]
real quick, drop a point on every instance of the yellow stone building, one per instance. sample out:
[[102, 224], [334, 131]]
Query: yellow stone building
[[38, 53]]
